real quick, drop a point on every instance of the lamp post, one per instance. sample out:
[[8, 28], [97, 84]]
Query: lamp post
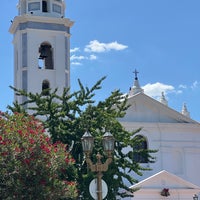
[[195, 197], [99, 167]]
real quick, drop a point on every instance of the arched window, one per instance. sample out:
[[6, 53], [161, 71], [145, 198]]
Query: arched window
[[45, 87], [140, 149], [45, 56]]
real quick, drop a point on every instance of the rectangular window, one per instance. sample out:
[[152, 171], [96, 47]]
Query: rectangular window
[[24, 50], [34, 6], [67, 80], [56, 8], [16, 58], [66, 54], [44, 6]]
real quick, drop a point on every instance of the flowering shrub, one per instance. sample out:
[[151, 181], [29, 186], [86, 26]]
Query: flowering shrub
[[31, 167]]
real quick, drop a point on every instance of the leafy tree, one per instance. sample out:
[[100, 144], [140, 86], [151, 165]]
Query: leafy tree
[[31, 167], [68, 116]]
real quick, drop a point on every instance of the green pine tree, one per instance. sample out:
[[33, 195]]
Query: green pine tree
[[68, 116]]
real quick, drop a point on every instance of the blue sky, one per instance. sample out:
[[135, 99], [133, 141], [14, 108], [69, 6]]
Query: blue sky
[[159, 38]]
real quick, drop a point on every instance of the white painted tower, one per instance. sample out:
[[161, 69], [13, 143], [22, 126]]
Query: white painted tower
[[41, 46]]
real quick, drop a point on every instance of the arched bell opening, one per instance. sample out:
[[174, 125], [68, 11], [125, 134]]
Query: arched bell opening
[[45, 87], [45, 60]]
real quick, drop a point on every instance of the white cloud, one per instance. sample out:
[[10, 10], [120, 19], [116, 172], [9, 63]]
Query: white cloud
[[182, 86], [76, 63], [93, 46], [98, 47], [195, 84], [74, 57], [77, 59], [155, 89], [178, 91], [92, 57], [74, 50]]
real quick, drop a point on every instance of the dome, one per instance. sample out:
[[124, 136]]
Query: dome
[[47, 8]]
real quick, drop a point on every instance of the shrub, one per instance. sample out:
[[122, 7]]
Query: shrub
[[31, 167]]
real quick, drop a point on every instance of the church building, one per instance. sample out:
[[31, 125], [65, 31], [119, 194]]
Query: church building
[[42, 60], [175, 136]]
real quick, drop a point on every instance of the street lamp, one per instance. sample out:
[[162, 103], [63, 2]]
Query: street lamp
[[87, 142], [195, 197], [99, 167]]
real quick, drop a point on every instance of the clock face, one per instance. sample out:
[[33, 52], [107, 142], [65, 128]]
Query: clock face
[[93, 188]]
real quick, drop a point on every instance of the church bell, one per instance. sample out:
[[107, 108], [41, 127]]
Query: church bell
[[43, 52]]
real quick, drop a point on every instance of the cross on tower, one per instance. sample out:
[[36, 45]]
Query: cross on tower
[[136, 72]]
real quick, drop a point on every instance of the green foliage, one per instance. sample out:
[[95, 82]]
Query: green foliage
[[31, 167], [68, 116]]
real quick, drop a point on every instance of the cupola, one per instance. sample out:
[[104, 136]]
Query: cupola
[[163, 99], [136, 86], [47, 8], [185, 111]]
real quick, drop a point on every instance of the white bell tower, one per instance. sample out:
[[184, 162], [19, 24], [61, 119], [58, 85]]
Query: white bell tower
[[41, 46]]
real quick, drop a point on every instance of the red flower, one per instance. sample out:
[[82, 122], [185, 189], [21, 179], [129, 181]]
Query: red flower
[[20, 132], [69, 183], [4, 153], [27, 161], [17, 149], [3, 142], [42, 182], [69, 160], [32, 141], [32, 131], [46, 149]]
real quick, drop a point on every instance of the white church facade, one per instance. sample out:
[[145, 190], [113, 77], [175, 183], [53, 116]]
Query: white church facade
[[42, 60], [176, 137]]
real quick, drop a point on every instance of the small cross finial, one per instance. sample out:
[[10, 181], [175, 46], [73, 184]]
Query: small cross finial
[[136, 72]]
